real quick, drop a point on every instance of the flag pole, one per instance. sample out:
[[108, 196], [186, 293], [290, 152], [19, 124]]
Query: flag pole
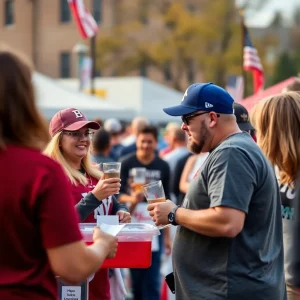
[[93, 56], [243, 34], [87, 27]]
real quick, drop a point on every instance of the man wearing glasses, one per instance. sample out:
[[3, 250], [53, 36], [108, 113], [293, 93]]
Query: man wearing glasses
[[228, 243]]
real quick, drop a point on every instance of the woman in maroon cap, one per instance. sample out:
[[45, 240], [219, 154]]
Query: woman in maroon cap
[[38, 240], [70, 146]]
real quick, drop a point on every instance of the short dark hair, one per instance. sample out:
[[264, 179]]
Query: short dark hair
[[101, 140], [149, 129], [179, 135]]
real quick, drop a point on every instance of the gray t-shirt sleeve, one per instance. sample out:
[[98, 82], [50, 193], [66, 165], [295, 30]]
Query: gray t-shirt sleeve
[[231, 179]]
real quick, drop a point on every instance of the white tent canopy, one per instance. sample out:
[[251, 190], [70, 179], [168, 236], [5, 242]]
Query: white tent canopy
[[146, 97], [52, 97], [155, 97]]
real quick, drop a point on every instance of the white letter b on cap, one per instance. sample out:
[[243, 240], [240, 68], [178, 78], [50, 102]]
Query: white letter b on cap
[[77, 113]]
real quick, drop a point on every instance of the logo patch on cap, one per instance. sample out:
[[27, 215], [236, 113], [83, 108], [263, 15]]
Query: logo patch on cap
[[77, 113], [185, 94], [208, 105], [244, 117]]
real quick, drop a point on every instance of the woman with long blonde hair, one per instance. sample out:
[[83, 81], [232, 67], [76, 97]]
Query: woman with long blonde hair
[[40, 238], [277, 122], [71, 134]]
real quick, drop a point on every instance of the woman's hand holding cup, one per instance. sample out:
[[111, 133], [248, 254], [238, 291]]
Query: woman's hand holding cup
[[106, 188]]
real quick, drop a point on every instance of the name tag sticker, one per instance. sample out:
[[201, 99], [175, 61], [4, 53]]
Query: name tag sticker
[[71, 292]]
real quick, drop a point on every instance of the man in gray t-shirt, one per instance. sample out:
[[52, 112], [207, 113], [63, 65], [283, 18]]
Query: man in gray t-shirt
[[228, 243]]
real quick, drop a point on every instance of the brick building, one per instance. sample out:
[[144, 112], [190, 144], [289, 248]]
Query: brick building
[[45, 31]]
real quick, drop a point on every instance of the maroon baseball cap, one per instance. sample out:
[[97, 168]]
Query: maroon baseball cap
[[70, 119]]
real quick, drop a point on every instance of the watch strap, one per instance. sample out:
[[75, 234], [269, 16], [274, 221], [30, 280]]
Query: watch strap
[[173, 212]]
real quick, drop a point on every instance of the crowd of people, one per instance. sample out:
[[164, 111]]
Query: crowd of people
[[231, 184]]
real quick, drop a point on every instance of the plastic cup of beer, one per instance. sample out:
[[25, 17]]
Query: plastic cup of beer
[[154, 192], [139, 179], [111, 170]]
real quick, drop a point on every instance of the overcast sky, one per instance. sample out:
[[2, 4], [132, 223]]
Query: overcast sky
[[265, 15]]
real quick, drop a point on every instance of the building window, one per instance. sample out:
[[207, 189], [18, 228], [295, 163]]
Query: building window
[[97, 10], [191, 8], [65, 65], [98, 73], [65, 14], [143, 12], [143, 16], [9, 12], [190, 70], [167, 71], [190, 75], [143, 70]]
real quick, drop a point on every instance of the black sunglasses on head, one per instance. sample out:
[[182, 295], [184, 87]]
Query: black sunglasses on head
[[185, 118]]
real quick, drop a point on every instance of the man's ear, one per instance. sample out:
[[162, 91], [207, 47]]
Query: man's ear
[[213, 120]]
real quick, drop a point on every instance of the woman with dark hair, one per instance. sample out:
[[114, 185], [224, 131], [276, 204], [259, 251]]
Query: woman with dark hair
[[39, 236]]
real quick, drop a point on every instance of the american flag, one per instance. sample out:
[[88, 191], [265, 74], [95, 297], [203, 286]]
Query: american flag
[[252, 62], [235, 87], [86, 24]]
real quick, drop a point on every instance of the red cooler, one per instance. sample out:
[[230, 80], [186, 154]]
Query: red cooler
[[134, 245]]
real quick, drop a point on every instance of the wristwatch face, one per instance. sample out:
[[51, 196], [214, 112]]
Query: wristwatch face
[[171, 217]]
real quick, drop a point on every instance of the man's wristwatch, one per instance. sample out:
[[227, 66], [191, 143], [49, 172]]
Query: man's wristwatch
[[171, 216]]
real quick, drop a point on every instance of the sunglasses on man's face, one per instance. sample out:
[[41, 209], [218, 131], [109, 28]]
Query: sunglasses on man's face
[[186, 118]]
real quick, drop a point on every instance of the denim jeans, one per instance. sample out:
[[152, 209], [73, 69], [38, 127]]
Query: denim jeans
[[146, 283]]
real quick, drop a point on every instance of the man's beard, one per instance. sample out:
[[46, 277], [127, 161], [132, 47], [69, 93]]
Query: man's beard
[[196, 148]]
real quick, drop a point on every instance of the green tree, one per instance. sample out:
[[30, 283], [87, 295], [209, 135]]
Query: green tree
[[204, 39], [296, 16], [183, 40], [285, 68], [297, 63], [278, 20], [295, 37]]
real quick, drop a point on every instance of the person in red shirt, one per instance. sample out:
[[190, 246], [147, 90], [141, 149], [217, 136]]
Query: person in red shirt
[[40, 237], [70, 146]]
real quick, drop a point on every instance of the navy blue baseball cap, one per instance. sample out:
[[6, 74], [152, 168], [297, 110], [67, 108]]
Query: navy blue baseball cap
[[203, 96]]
